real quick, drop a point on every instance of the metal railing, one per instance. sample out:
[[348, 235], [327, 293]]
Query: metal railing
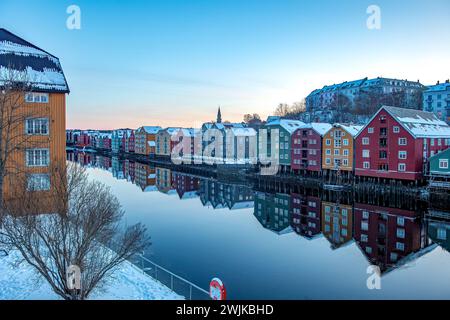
[[176, 283]]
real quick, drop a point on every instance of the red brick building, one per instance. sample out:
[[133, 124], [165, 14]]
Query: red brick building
[[397, 142]]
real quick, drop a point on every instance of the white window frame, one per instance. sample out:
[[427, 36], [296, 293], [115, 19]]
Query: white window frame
[[38, 182], [365, 141], [443, 163], [366, 153], [370, 130], [400, 141], [36, 97], [366, 165], [36, 125], [396, 129], [401, 153], [402, 167], [31, 157]]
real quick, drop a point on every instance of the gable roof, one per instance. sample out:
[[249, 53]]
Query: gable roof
[[420, 124], [320, 127], [287, 124], [150, 129], [352, 129], [40, 70]]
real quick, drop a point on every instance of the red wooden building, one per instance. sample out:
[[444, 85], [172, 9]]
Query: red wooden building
[[306, 150], [305, 217], [389, 237], [83, 140], [397, 142]]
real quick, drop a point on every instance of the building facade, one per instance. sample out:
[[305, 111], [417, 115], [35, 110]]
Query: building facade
[[436, 99], [306, 153], [165, 141], [34, 89], [145, 140], [397, 143], [338, 148]]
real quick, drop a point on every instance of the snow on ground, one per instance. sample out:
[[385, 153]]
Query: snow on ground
[[21, 282]]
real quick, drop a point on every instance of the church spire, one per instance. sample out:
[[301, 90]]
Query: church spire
[[219, 116]]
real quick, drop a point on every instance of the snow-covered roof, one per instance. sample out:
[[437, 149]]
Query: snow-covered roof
[[21, 61], [320, 127], [420, 124], [151, 129], [439, 87], [172, 130], [187, 132], [352, 129], [243, 132], [287, 124]]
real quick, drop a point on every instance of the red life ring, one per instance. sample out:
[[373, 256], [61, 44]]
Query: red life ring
[[217, 289]]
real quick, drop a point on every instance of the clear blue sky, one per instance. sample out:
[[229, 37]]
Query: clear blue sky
[[172, 62]]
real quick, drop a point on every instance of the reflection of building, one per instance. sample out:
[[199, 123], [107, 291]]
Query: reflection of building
[[221, 195], [337, 223], [186, 186], [439, 232], [389, 237], [164, 180], [305, 215], [145, 177], [117, 168], [129, 170], [35, 132], [272, 211]]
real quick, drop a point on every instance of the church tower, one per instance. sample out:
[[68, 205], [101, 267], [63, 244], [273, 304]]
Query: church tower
[[219, 116]]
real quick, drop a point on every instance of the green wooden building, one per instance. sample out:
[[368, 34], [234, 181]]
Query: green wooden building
[[439, 164], [283, 128]]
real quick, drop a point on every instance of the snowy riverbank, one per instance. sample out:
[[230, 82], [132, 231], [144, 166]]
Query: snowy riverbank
[[129, 283]]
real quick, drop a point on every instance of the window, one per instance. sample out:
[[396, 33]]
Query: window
[[432, 142], [400, 246], [345, 162], [396, 129], [441, 234], [369, 130], [402, 154], [345, 152], [401, 221], [401, 233], [38, 126], [37, 157], [345, 142], [443, 163], [328, 142], [383, 154], [402, 141], [365, 214], [328, 161], [366, 165], [383, 131], [36, 97], [336, 152], [366, 153], [337, 143], [401, 167], [365, 141], [328, 151], [364, 238], [38, 182], [364, 226], [369, 250]]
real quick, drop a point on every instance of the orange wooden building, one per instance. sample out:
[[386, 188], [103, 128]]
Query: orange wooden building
[[338, 147], [34, 88], [145, 140]]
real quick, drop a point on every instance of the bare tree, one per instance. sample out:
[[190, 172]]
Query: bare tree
[[282, 110], [14, 85], [82, 228]]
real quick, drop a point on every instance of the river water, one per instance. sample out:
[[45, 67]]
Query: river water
[[266, 245]]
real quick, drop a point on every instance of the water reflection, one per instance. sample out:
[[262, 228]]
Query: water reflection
[[388, 237]]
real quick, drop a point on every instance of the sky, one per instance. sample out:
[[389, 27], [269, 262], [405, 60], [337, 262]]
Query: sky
[[173, 62]]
